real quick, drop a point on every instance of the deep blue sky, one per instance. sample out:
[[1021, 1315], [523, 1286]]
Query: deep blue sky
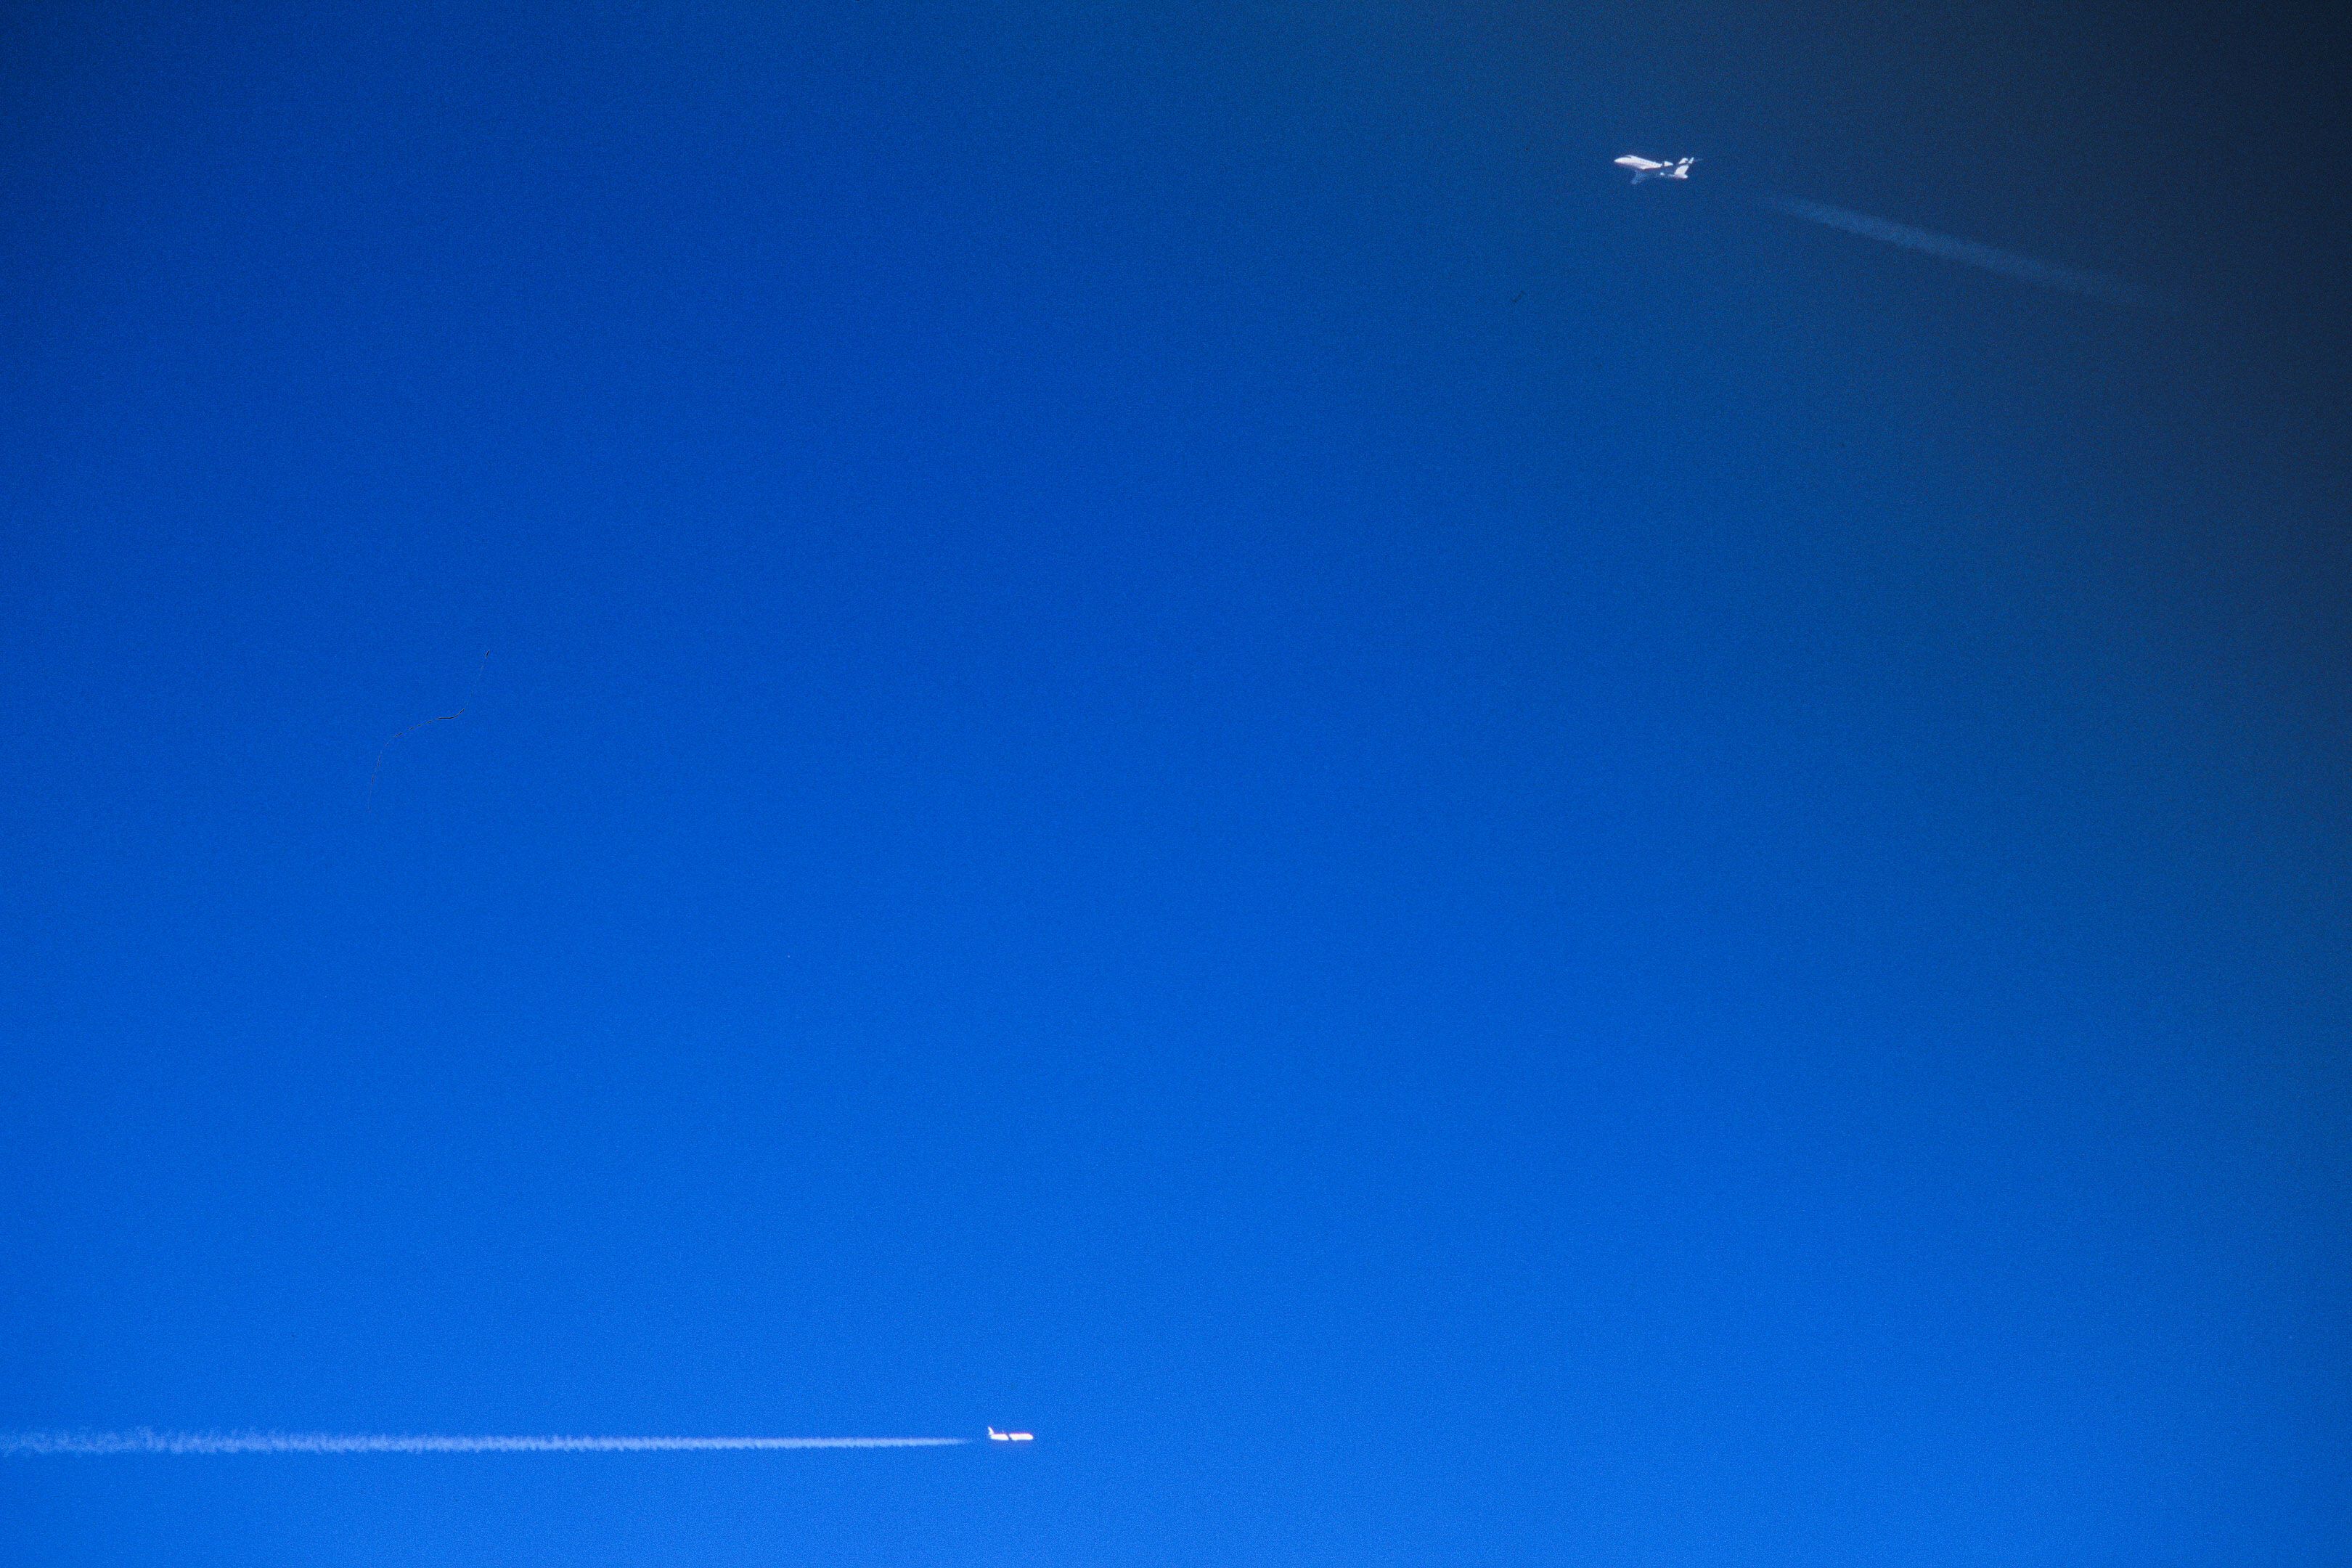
[[1188, 740]]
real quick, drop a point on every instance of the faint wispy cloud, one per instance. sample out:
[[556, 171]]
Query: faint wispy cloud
[[1970, 253]]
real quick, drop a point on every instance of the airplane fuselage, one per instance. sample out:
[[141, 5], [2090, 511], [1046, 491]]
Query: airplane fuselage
[[1651, 169]]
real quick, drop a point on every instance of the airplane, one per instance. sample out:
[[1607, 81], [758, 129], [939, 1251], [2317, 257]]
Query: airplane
[[996, 1436], [1647, 169]]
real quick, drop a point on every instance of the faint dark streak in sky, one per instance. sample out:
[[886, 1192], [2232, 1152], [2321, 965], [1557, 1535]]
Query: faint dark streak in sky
[[377, 772]]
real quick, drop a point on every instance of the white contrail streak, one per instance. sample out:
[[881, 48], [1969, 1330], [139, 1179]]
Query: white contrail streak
[[1967, 252], [142, 1440]]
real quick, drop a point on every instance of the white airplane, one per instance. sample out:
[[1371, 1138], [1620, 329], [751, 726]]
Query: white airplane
[[996, 1436], [1648, 169]]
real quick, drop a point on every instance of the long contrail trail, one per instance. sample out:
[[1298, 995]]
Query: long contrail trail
[[142, 1440], [1967, 252]]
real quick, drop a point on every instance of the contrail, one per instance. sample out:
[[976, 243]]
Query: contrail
[[142, 1440], [422, 724], [2024, 268]]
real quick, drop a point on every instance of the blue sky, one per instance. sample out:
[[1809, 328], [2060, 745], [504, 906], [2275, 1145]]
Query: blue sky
[[1186, 740]]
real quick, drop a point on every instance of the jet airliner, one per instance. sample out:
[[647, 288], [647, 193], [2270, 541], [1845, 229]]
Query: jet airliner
[[1651, 169]]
